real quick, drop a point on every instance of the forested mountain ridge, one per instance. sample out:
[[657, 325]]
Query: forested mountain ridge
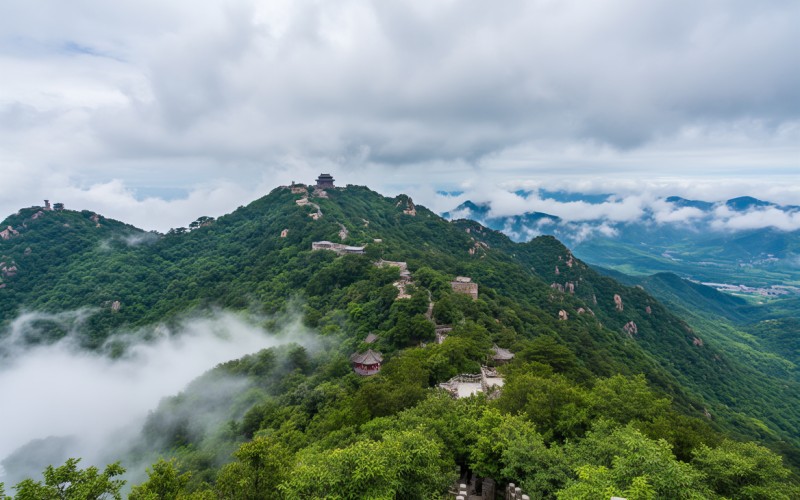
[[573, 329], [692, 238]]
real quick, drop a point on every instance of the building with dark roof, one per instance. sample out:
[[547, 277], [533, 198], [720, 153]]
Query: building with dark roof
[[325, 181], [366, 363]]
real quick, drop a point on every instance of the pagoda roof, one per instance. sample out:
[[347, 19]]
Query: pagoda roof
[[501, 354], [367, 358], [371, 338]]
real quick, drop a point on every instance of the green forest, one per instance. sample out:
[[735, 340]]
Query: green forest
[[611, 391]]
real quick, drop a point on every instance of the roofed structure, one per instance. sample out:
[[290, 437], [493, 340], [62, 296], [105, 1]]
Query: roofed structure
[[371, 338], [501, 355], [325, 181], [366, 363]]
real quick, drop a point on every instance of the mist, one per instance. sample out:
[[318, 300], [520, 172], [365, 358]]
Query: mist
[[61, 400]]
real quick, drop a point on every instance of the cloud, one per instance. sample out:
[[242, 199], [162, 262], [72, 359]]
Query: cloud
[[634, 202], [97, 402], [728, 219], [395, 93]]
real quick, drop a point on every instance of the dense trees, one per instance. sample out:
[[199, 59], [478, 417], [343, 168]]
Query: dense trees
[[586, 411], [68, 482]]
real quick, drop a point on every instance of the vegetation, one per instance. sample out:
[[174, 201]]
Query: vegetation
[[589, 406]]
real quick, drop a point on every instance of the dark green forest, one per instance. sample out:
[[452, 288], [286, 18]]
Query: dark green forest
[[611, 392]]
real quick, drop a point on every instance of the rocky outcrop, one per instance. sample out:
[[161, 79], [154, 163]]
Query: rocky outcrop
[[8, 270], [284, 233], [115, 306], [618, 302], [697, 342], [630, 328], [557, 271], [410, 208], [8, 233], [343, 232], [563, 315], [478, 246], [648, 310]]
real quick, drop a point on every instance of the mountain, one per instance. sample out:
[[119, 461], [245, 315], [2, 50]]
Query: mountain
[[696, 245], [598, 364]]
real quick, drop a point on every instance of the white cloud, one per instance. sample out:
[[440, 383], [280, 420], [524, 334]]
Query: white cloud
[[756, 218], [59, 389]]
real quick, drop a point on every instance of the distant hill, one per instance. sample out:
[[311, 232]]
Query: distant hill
[[696, 248]]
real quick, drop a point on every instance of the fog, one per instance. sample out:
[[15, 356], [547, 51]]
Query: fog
[[88, 404]]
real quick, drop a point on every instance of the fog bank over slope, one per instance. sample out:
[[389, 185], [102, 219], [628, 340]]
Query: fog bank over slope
[[99, 403]]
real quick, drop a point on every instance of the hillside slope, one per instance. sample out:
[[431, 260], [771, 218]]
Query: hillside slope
[[535, 298]]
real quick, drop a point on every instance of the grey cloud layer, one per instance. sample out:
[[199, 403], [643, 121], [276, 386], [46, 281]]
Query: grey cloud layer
[[190, 93]]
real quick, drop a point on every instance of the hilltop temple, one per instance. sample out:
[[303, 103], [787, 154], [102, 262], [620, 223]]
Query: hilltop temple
[[325, 181]]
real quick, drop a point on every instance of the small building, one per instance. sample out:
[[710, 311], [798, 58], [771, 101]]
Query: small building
[[336, 247], [371, 338], [325, 181], [501, 356], [463, 284], [47, 205], [367, 363]]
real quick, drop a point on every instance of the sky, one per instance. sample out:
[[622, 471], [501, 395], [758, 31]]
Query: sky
[[156, 113]]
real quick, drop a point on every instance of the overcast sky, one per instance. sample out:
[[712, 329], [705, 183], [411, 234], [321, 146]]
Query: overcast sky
[[157, 112]]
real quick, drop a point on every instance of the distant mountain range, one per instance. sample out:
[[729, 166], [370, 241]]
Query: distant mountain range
[[741, 241]]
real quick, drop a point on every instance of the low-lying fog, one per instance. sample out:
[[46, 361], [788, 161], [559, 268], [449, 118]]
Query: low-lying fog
[[94, 404]]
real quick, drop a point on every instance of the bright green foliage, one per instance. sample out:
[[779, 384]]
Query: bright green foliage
[[624, 399], [405, 464], [68, 482], [744, 470], [164, 482], [630, 459], [559, 408], [595, 482], [509, 449], [260, 466]]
